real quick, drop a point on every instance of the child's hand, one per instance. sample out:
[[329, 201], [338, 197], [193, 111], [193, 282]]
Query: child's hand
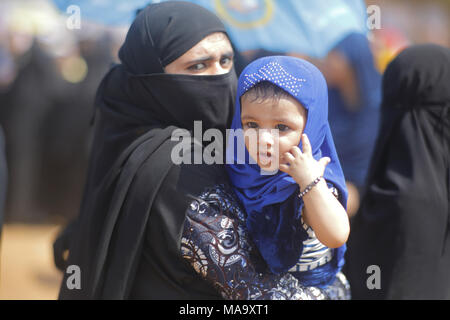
[[301, 165]]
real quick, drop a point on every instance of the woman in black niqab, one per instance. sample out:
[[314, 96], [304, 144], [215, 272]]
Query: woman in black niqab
[[133, 208], [404, 221]]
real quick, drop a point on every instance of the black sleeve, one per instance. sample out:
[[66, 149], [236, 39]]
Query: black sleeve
[[163, 273]]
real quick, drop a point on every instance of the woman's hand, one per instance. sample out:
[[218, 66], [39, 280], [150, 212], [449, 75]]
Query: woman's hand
[[301, 165]]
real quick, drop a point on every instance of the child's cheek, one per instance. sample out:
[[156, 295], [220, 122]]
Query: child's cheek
[[282, 160]]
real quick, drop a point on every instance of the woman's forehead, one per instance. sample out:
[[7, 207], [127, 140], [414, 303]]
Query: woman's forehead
[[215, 44]]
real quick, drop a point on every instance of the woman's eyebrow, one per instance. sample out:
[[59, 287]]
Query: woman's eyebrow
[[200, 60], [229, 55]]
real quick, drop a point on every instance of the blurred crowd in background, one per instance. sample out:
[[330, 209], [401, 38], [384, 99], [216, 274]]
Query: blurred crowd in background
[[48, 78]]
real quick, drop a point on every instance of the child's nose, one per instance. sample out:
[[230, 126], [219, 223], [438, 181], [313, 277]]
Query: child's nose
[[266, 138]]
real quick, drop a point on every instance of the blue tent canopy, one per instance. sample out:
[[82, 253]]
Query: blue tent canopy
[[303, 26]]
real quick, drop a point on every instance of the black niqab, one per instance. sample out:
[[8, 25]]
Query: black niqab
[[139, 107], [404, 221], [137, 95]]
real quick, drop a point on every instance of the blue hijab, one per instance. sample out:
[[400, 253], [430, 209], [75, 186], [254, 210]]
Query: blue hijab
[[257, 192], [355, 131]]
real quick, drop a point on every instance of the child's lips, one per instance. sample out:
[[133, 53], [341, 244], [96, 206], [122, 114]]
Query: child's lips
[[265, 157]]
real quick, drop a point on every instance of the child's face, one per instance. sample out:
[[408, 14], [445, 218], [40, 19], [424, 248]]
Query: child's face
[[287, 116]]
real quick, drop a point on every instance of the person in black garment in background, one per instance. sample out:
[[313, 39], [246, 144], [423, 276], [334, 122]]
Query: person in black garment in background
[[404, 221]]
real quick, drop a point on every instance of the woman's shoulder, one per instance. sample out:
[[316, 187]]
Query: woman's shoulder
[[187, 158], [182, 161]]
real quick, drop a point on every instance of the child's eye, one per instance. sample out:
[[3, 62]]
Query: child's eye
[[250, 125], [282, 127]]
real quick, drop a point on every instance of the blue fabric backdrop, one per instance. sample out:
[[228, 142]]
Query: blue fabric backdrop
[[304, 26]]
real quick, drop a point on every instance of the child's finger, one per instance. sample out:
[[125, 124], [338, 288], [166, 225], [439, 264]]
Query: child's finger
[[284, 167], [295, 151], [324, 162], [289, 157], [306, 144]]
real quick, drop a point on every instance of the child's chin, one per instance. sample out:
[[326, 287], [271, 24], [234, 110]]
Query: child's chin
[[268, 166]]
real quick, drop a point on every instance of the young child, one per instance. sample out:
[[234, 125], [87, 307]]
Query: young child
[[294, 191]]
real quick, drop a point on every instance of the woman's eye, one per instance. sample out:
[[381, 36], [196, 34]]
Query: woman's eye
[[282, 127], [197, 67], [225, 61]]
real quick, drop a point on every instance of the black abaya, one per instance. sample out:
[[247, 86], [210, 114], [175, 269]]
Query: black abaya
[[404, 221], [126, 240]]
